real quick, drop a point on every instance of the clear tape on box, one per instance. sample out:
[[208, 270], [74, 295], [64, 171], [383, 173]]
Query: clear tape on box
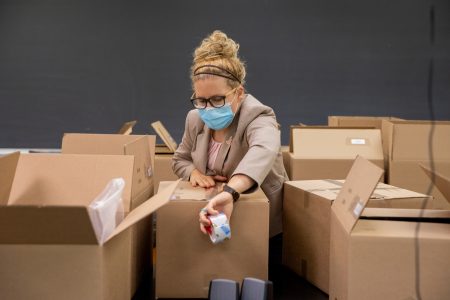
[[106, 210]]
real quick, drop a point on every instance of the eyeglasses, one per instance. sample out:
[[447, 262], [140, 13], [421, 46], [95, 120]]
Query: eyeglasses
[[215, 101]]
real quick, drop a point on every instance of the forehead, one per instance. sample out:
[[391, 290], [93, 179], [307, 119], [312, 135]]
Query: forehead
[[210, 85]]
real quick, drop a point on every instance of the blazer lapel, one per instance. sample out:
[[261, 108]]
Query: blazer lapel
[[200, 154], [224, 149]]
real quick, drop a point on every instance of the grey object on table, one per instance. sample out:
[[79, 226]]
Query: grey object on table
[[223, 289]]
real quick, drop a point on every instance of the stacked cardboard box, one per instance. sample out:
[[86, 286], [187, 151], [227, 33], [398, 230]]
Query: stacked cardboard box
[[186, 260], [48, 247], [398, 254], [410, 144], [141, 148], [328, 152], [306, 222]]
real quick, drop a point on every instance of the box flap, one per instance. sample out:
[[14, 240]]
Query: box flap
[[45, 225], [127, 128], [366, 121], [354, 195], [162, 149], [143, 165], [411, 140], [146, 208], [164, 135], [398, 213], [336, 143], [440, 176], [83, 143], [8, 166], [67, 180]]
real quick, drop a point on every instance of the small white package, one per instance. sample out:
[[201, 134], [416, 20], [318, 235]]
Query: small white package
[[106, 210]]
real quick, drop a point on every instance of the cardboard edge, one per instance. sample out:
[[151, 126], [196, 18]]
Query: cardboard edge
[[8, 167], [164, 134], [145, 209], [355, 193], [439, 180], [127, 127]]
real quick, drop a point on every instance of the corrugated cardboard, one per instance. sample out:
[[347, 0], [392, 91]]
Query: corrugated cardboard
[[414, 143], [141, 148], [165, 136], [48, 248], [328, 152], [385, 259], [163, 169], [186, 259], [358, 121], [306, 222], [439, 174], [127, 128]]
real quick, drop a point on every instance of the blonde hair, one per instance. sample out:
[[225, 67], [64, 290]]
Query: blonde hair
[[217, 55]]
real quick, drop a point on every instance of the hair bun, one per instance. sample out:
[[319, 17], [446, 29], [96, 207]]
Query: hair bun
[[216, 45]]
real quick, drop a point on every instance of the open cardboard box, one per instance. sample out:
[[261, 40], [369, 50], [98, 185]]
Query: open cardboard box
[[186, 259], [328, 152], [410, 144], [48, 247], [306, 222], [141, 149], [385, 257]]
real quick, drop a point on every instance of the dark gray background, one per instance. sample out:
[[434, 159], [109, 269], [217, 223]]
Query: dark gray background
[[89, 66]]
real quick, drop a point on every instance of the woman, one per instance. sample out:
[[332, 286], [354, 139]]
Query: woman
[[229, 136]]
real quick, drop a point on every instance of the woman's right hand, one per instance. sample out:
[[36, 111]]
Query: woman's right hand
[[199, 179]]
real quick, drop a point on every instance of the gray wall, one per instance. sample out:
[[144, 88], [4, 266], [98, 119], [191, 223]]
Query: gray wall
[[89, 66]]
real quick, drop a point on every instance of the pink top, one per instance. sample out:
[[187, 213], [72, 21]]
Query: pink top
[[213, 150]]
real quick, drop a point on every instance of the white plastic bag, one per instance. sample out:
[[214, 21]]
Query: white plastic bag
[[106, 210]]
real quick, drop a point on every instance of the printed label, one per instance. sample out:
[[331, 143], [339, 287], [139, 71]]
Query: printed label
[[358, 141]]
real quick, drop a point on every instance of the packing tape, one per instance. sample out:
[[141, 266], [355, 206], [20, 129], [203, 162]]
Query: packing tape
[[219, 229]]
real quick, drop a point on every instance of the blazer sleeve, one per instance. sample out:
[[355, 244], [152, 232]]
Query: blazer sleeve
[[182, 163], [263, 137]]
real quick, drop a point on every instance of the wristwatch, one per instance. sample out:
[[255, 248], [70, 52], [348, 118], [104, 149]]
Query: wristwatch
[[229, 189]]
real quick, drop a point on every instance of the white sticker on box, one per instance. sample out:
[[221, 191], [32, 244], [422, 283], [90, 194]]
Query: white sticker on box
[[149, 171], [358, 209], [358, 141]]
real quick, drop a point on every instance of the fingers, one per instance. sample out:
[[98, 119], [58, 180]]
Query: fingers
[[202, 229], [202, 181], [220, 178]]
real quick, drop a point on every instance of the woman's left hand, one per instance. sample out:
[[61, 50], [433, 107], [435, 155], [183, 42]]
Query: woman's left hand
[[222, 202]]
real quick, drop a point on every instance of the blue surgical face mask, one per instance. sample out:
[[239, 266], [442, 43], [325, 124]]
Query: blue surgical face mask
[[217, 118]]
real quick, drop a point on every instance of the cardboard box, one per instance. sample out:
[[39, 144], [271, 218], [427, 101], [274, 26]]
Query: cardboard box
[[163, 169], [142, 149], [306, 222], [186, 259], [358, 121], [439, 174], [48, 248], [408, 145], [382, 258], [329, 152]]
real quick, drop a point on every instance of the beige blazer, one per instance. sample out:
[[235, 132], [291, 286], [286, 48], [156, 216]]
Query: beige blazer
[[251, 147]]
